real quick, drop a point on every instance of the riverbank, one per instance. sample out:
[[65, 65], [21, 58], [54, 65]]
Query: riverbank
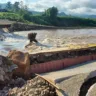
[[12, 26], [26, 27]]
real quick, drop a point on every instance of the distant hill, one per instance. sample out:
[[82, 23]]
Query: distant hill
[[62, 14], [86, 16], [2, 5], [90, 16], [36, 13]]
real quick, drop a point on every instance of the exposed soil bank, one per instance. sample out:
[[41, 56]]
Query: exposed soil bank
[[26, 27]]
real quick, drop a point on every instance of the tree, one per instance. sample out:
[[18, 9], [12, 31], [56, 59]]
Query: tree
[[24, 11], [23, 8], [27, 17], [0, 7], [16, 6], [51, 12], [9, 6]]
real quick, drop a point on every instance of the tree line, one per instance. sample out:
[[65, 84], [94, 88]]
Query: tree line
[[17, 7]]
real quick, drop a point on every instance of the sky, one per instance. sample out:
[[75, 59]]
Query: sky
[[67, 6]]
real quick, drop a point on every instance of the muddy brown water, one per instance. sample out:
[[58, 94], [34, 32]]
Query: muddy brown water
[[49, 38]]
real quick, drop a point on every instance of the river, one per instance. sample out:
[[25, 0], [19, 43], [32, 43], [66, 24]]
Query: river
[[50, 38]]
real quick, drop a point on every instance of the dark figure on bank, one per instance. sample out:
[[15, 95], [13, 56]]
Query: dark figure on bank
[[32, 37]]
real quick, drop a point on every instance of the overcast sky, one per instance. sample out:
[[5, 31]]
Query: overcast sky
[[67, 6]]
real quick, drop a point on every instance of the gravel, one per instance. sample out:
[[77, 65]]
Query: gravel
[[33, 87]]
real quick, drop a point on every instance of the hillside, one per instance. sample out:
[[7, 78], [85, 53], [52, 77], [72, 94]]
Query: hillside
[[87, 16], [64, 21]]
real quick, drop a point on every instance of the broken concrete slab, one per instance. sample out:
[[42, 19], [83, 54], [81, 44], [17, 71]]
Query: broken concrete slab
[[92, 90], [71, 71], [72, 85]]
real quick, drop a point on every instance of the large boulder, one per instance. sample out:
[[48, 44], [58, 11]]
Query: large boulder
[[22, 60], [5, 70], [2, 37]]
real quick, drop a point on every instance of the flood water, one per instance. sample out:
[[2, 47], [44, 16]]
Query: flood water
[[18, 40]]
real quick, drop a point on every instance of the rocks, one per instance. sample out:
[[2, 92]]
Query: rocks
[[19, 82], [1, 38], [34, 87], [22, 60], [5, 70], [4, 92], [14, 83]]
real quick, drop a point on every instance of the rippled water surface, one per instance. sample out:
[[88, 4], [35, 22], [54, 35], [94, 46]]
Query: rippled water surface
[[18, 40]]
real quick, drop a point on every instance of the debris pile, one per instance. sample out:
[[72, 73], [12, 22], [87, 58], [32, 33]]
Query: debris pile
[[5, 70], [19, 86], [14, 83], [34, 87]]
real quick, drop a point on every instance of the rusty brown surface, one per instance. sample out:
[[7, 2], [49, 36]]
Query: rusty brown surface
[[22, 61], [58, 55]]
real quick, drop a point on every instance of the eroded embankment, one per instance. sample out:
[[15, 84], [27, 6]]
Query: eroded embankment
[[26, 27], [17, 26]]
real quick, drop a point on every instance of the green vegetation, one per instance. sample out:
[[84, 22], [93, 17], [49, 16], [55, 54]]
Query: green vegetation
[[19, 12], [16, 12], [76, 21], [11, 16]]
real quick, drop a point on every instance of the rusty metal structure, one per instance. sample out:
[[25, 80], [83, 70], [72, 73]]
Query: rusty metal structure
[[55, 60]]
